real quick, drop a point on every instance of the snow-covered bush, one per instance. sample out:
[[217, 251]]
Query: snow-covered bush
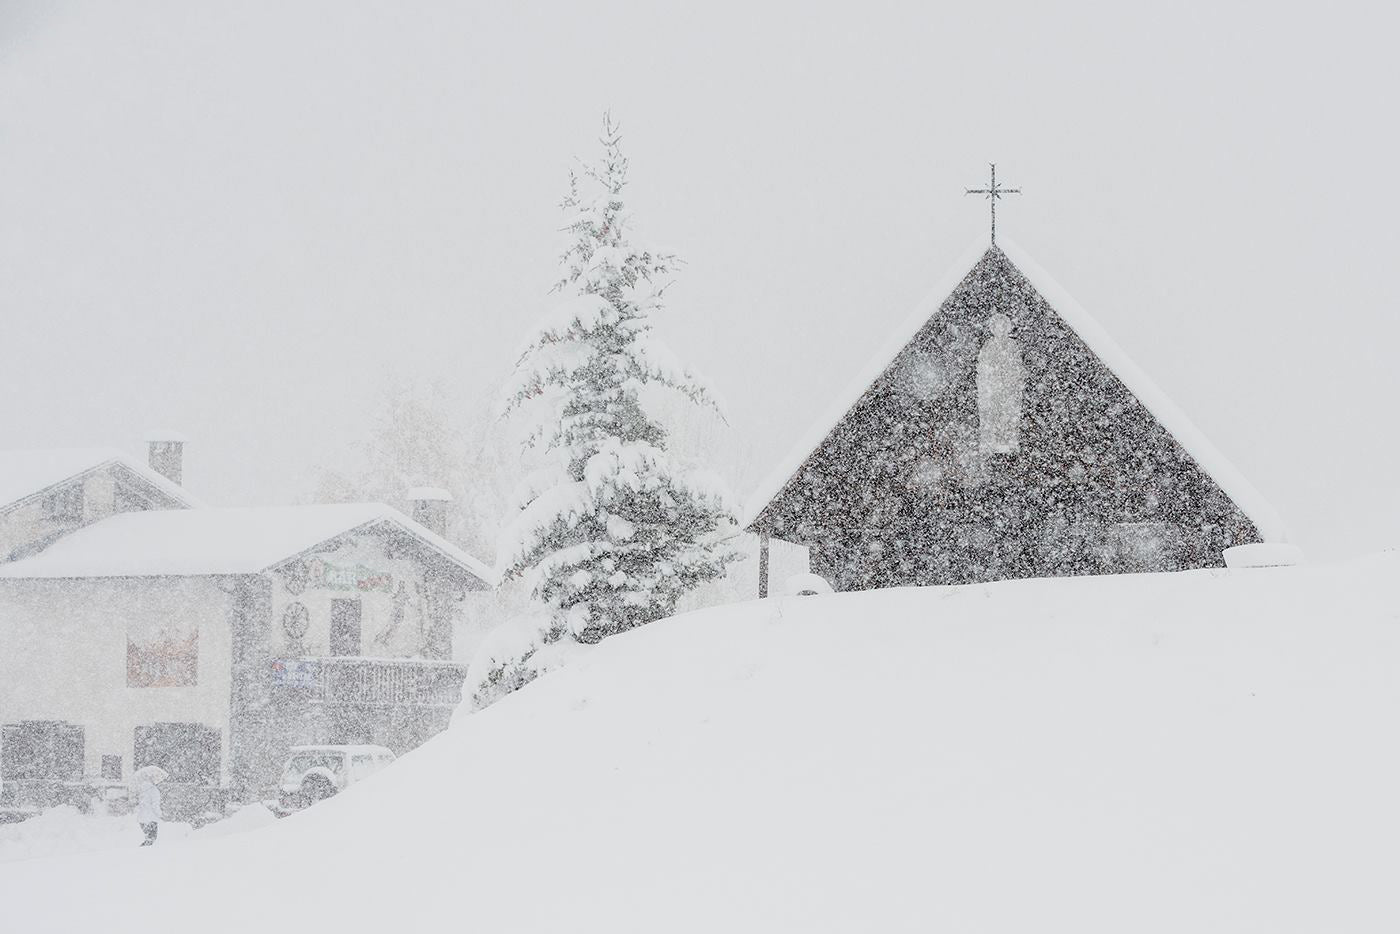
[[612, 531]]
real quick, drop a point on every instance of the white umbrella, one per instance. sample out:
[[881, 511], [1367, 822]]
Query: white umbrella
[[150, 773]]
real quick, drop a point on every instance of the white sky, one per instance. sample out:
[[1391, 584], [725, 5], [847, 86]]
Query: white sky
[[238, 219]]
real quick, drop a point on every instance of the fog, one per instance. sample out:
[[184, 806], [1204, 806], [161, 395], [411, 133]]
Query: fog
[[237, 220]]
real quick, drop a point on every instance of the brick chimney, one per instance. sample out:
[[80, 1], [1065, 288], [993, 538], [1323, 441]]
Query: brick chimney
[[429, 505], [166, 454]]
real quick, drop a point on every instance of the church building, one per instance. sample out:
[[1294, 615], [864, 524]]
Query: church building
[[1001, 433]]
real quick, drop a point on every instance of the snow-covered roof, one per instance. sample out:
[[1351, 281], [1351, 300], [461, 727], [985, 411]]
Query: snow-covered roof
[[191, 542], [1240, 490], [26, 474], [433, 493]]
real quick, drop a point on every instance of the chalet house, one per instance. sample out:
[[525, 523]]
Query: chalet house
[[1001, 433], [47, 494], [210, 640]]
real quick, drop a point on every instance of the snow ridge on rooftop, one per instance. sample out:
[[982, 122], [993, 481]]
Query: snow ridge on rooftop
[[28, 473], [191, 542]]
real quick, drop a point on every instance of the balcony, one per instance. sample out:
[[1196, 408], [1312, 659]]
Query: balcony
[[372, 682]]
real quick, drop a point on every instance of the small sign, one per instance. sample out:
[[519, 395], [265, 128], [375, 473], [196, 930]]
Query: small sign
[[296, 673], [324, 575]]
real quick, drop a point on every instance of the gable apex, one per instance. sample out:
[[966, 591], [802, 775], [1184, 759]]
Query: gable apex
[[874, 368], [1090, 333]]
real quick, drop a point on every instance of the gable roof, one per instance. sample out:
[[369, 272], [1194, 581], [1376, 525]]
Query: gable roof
[[180, 542], [25, 475], [1171, 418]]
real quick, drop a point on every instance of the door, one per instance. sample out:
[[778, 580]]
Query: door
[[345, 626]]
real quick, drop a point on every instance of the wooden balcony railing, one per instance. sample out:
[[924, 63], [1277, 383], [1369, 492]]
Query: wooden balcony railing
[[382, 682]]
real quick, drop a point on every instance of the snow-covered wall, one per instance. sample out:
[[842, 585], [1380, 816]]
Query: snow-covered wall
[[83, 640]]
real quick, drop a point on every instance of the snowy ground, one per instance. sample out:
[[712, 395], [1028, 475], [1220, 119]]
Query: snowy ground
[[1209, 751], [63, 831]]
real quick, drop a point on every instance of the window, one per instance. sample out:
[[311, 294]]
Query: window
[[126, 498], [345, 626], [361, 767], [41, 750], [304, 762], [112, 768], [189, 752], [65, 504]]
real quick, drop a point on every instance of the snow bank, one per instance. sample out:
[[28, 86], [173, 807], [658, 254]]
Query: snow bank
[[64, 831], [1206, 751], [1263, 555]]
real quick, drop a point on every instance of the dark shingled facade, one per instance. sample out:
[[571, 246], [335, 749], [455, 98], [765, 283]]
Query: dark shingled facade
[[902, 491]]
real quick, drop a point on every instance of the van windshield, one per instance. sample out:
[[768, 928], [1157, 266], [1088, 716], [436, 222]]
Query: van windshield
[[303, 762]]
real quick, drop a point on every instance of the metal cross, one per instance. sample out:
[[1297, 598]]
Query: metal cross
[[993, 193]]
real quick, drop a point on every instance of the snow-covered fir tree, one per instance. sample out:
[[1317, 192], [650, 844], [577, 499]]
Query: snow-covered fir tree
[[612, 532]]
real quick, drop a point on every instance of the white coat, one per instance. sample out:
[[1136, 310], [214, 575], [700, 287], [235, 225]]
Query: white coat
[[148, 804], [148, 795]]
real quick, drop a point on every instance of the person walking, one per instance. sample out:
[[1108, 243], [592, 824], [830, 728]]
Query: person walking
[[148, 814]]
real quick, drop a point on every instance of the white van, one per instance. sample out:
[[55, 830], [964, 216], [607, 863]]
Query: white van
[[314, 773]]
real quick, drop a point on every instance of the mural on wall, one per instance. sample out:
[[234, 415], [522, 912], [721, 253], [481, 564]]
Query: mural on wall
[[317, 573], [296, 621], [396, 617], [397, 605], [1001, 378], [324, 575], [162, 655]]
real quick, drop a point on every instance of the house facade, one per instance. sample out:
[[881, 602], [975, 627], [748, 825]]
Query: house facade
[[210, 641]]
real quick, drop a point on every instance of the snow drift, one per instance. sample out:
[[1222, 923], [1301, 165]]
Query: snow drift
[[1206, 751]]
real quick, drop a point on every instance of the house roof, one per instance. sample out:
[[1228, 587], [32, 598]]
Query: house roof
[[1214, 463], [429, 493], [28, 474], [193, 542]]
